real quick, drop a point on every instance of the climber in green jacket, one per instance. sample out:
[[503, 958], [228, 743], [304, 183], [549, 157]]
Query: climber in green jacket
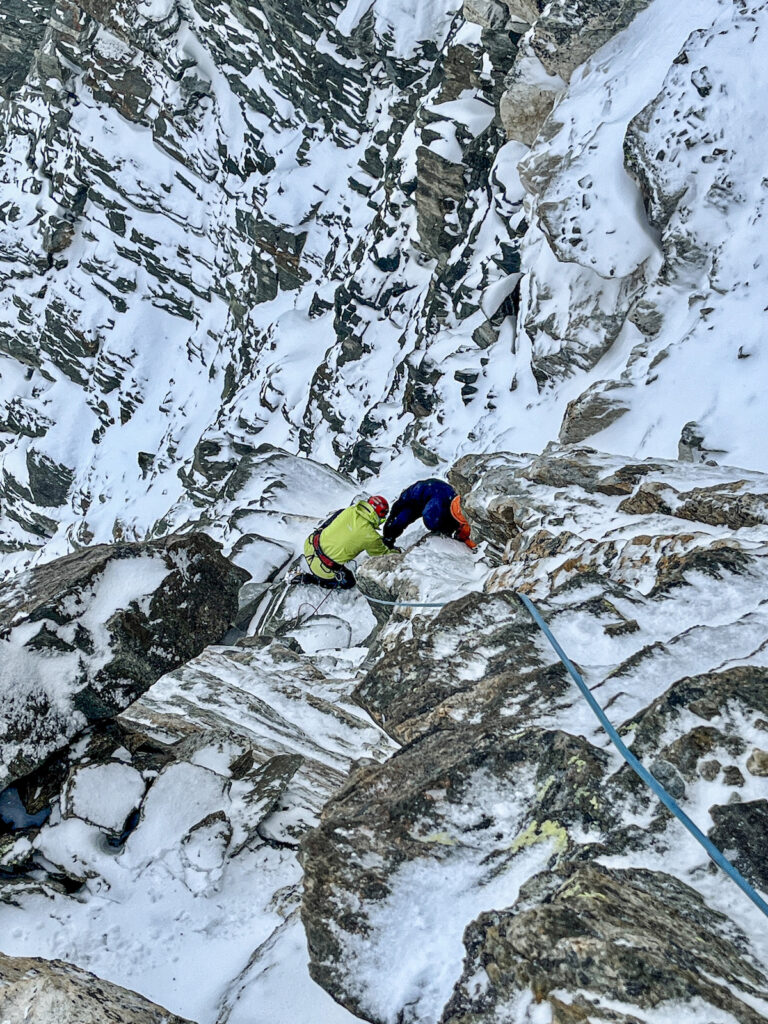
[[342, 537]]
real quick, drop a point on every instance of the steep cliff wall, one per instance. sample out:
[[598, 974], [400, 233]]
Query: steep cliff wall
[[367, 232], [255, 254]]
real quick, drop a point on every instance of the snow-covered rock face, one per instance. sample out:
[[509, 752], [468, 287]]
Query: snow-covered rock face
[[645, 251], [302, 225], [507, 806], [225, 764], [171, 294], [254, 253], [83, 636]]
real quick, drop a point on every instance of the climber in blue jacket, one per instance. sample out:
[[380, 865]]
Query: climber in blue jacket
[[436, 503]]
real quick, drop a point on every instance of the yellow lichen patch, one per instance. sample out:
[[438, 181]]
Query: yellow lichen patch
[[539, 832], [441, 838], [542, 790], [576, 889]]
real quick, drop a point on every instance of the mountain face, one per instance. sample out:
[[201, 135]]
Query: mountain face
[[255, 257], [367, 233], [417, 815]]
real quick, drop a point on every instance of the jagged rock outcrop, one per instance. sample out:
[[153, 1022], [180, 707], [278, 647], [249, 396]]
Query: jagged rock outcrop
[[628, 937], [83, 636], [562, 35], [440, 674], [35, 991], [451, 802], [505, 773]]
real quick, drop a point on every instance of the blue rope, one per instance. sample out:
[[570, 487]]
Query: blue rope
[[639, 769], [643, 772]]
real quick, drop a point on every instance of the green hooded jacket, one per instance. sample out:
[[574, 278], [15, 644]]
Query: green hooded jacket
[[352, 531]]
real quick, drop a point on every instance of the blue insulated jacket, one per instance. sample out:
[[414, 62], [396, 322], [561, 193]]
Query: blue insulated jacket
[[429, 500]]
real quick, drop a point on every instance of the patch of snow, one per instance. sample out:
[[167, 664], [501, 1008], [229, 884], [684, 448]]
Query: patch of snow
[[105, 794]]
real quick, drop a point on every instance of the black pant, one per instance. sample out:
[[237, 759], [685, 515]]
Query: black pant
[[345, 579]]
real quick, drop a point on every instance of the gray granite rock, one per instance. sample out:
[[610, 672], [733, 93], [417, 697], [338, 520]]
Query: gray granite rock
[[36, 991]]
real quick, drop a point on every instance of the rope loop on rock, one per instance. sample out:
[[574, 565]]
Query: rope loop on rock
[[405, 604], [710, 848]]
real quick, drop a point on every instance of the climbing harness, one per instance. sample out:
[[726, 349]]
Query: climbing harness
[[324, 559], [315, 542], [639, 769]]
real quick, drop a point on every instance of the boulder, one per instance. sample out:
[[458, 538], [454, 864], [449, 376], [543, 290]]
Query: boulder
[[594, 410], [570, 31], [84, 635], [528, 98], [36, 991], [488, 13], [588, 937]]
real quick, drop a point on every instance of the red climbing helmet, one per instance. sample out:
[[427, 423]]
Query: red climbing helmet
[[379, 505]]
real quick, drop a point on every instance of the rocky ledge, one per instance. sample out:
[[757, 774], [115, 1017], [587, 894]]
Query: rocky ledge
[[40, 991], [506, 793], [423, 789]]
